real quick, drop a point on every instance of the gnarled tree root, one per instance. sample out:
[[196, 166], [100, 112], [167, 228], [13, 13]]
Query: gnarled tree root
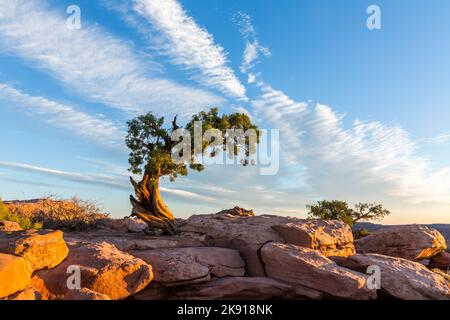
[[150, 207]]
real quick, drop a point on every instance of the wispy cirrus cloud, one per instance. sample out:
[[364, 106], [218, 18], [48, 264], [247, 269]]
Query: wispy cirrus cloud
[[253, 48], [91, 62], [171, 32], [367, 160], [439, 139], [63, 116], [114, 181]]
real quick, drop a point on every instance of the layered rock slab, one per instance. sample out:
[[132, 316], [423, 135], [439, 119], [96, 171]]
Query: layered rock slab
[[401, 278], [180, 266], [412, 242], [331, 238], [309, 268], [245, 234]]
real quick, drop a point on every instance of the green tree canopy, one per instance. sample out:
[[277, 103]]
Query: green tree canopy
[[152, 146], [340, 210]]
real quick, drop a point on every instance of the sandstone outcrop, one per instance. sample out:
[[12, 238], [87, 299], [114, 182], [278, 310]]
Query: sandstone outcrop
[[245, 234], [103, 269], [15, 274], [229, 255], [401, 278], [41, 249], [181, 266], [331, 238], [310, 269], [412, 242]]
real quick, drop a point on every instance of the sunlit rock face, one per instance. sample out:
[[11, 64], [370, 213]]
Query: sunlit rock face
[[331, 238], [401, 278], [412, 242], [104, 269], [41, 249], [15, 274], [310, 269]]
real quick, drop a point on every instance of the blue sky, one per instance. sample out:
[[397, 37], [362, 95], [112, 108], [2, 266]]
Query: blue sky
[[363, 114]]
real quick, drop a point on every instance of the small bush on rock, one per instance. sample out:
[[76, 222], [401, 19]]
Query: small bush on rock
[[339, 210], [361, 233]]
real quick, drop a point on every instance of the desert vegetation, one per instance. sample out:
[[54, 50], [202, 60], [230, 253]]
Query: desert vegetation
[[340, 210], [52, 212], [23, 221]]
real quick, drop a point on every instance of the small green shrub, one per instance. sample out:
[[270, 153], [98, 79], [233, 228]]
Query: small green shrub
[[340, 210], [24, 222], [361, 233]]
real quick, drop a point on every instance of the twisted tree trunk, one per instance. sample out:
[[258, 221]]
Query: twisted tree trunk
[[150, 207]]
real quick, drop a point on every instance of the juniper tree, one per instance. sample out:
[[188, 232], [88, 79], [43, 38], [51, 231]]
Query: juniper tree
[[339, 210], [153, 147]]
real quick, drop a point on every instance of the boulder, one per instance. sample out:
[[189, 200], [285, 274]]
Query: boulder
[[236, 288], [412, 242], [440, 261], [28, 294], [246, 234], [15, 274], [309, 268], [9, 226], [103, 269], [332, 238], [84, 295], [401, 278], [181, 266], [42, 249]]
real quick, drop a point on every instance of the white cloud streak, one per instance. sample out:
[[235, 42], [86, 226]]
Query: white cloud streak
[[439, 139], [119, 182], [64, 116], [92, 62], [253, 48], [368, 160], [172, 33]]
